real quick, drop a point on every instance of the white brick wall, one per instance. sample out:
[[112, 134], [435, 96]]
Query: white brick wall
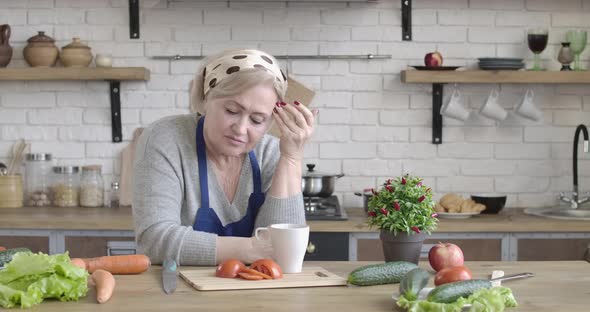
[[371, 125]]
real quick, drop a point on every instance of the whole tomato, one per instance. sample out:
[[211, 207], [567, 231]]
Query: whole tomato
[[230, 268], [452, 274]]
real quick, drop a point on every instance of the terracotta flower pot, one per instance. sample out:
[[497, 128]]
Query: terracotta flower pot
[[75, 54], [41, 51], [5, 48], [402, 247]]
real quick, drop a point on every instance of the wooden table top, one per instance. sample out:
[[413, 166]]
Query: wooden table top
[[557, 286], [78, 218]]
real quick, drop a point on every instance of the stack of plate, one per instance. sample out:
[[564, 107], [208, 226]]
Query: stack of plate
[[500, 63]]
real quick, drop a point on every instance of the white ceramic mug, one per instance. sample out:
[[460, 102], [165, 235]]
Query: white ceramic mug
[[527, 109], [289, 243], [492, 109], [454, 108]]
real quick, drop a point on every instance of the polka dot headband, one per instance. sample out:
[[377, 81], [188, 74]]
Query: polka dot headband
[[223, 67]]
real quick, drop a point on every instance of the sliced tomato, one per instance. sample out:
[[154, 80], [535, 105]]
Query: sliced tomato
[[254, 272], [230, 268], [268, 267], [250, 277], [452, 274]]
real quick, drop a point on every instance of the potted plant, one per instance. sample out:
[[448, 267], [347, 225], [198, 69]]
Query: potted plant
[[403, 210]]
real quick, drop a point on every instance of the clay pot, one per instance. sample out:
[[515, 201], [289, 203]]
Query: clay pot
[[75, 54], [5, 48], [41, 51]]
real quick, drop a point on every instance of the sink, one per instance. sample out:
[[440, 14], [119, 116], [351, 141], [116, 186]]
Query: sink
[[565, 214]]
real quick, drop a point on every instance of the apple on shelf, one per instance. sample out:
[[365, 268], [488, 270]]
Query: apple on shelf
[[433, 59]]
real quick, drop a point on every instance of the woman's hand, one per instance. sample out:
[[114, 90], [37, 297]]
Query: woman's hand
[[296, 123]]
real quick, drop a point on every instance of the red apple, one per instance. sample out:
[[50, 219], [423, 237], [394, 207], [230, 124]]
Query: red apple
[[443, 255], [433, 59]]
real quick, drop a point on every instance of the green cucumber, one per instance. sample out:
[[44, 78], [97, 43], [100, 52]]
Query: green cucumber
[[6, 255], [378, 274], [449, 293], [413, 282]]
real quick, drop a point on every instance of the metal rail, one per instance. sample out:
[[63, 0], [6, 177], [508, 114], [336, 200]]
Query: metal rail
[[178, 57]]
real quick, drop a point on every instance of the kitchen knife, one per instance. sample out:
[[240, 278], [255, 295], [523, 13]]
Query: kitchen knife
[[169, 276], [512, 276]]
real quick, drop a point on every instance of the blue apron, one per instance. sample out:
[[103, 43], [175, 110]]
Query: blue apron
[[206, 219]]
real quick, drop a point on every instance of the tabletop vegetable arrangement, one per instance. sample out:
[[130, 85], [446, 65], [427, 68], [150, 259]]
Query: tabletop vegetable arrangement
[[29, 278], [455, 289]]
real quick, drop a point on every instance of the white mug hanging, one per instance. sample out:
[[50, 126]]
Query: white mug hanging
[[492, 109], [454, 108], [527, 109]]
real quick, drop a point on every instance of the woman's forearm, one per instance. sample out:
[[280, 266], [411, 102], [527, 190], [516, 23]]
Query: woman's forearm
[[286, 181]]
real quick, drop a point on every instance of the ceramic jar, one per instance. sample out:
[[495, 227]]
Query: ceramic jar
[[5, 48], [75, 54], [103, 60], [565, 56], [41, 50]]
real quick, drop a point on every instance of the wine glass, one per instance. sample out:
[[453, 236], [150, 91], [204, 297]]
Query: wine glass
[[577, 39], [537, 39]]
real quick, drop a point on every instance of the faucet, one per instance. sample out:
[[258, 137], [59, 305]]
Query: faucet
[[575, 201]]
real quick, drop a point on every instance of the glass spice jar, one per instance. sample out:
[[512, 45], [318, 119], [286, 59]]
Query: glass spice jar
[[91, 187], [66, 186], [114, 195], [37, 179]]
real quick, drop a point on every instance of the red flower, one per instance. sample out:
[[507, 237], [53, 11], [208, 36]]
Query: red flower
[[388, 181], [419, 183], [403, 181], [421, 199], [416, 229], [384, 211], [396, 206], [372, 214], [389, 188], [434, 215]]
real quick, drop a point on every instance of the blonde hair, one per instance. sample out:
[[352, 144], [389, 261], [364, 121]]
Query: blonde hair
[[231, 85]]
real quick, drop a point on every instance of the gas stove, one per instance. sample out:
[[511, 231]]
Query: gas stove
[[323, 208]]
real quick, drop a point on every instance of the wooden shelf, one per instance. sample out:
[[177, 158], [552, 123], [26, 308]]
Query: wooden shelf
[[75, 73], [114, 75], [438, 78], [495, 76]]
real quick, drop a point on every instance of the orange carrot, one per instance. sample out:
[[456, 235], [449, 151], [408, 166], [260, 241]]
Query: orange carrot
[[126, 264], [105, 285], [79, 263]]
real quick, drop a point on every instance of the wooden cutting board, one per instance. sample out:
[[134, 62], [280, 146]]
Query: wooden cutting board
[[204, 279]]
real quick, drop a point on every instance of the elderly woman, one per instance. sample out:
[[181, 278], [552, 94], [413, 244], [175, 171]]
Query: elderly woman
[[202, 184]]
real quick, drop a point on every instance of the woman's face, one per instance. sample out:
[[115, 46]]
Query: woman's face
[[235, 124]]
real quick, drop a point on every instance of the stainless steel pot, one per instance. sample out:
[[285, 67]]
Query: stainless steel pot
[[366, 195], [316, 184]]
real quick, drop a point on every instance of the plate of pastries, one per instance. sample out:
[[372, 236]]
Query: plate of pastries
[[453, 206]]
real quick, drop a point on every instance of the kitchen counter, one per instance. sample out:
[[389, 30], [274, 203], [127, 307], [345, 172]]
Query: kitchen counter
[[78, 218], [557, 286], [508, 227]]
